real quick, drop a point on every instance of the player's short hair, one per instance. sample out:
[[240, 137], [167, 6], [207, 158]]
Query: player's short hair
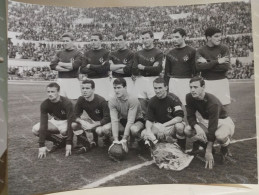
[[160, 80], [181, 31], [99, 35], [121, 33], [70, 35], [198, 78], [53, 84], [120, 81], [88, 81], [148, 32], [210, 31]]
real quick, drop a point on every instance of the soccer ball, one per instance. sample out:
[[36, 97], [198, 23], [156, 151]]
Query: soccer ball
[[116, 152]]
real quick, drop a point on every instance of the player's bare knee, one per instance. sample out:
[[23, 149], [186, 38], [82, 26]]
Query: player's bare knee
[[221, 137], [143, 133], [134, 130], [74, 125], [179, 127], [35, 129], [188, 131], [63, 132], [99, 131]]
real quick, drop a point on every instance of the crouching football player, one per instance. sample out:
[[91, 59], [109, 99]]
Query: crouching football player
[[164, 116], [213, 117], [126, 114], [97, 119], [58, 128]]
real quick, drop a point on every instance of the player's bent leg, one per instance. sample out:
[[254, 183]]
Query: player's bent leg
[[136, 128], [35, 129], [181, 140]]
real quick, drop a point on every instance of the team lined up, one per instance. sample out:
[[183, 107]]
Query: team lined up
[[154, 108]]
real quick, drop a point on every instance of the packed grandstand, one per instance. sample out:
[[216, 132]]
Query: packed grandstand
[[34, 32]]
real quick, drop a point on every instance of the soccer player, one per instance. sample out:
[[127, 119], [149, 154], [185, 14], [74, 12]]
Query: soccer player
[[95, 65], [146, 67], [214, 119], [164, 116], [180, 65], [126, 114], [213, 61], [97, 120], [67, 63], [121, 60], [58, 128]]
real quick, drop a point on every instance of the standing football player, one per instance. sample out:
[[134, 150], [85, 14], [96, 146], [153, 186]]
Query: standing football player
[[97, 120], [95, 65], [67, 63], [180, 65], [121, 60], [126, 114], [58, 128], [213, 61], [146, 67], [164, 116], [214, 120]]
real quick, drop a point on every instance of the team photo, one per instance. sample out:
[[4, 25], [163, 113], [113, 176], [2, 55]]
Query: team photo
[[121, 96]]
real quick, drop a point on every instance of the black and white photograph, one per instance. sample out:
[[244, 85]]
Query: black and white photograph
[[123, 96]]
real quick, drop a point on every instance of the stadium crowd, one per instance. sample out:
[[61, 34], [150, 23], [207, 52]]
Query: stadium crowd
[[48, 23]]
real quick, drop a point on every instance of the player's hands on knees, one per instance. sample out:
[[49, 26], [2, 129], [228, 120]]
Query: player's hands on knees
[[85, 125], [225, 59], [43, 152], [209, 160], [200, 134], [201, 60], [68, 150], [124, 145]]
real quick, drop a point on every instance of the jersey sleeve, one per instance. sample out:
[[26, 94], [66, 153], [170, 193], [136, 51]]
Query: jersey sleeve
[[106, 113], [43, 124], [77, 60], [135, 70], [70, 118], [155, 70], [128, 68], [54, 62], [204, 65], [190, 109], [114, 118], [167, 69], [150, 112], [78, 111], [213, 121]]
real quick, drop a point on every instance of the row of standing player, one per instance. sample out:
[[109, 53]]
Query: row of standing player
[[212, 61]]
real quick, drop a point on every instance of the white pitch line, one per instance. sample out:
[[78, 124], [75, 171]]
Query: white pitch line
[[117, 174], [129, 169]]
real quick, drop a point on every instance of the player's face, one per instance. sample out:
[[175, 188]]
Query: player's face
[[96, 42], [119, 90], [160, 90], [178, 40], [87, 90], [147, 41], [53, 94], [68, 43], [120, 42], [196, 89], [215, 39]]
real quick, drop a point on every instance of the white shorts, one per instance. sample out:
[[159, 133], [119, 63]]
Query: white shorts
[[226, 121], [219, 88], [61, 125], [143, 87], [180, 87], [69, 87], [102, 87]]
